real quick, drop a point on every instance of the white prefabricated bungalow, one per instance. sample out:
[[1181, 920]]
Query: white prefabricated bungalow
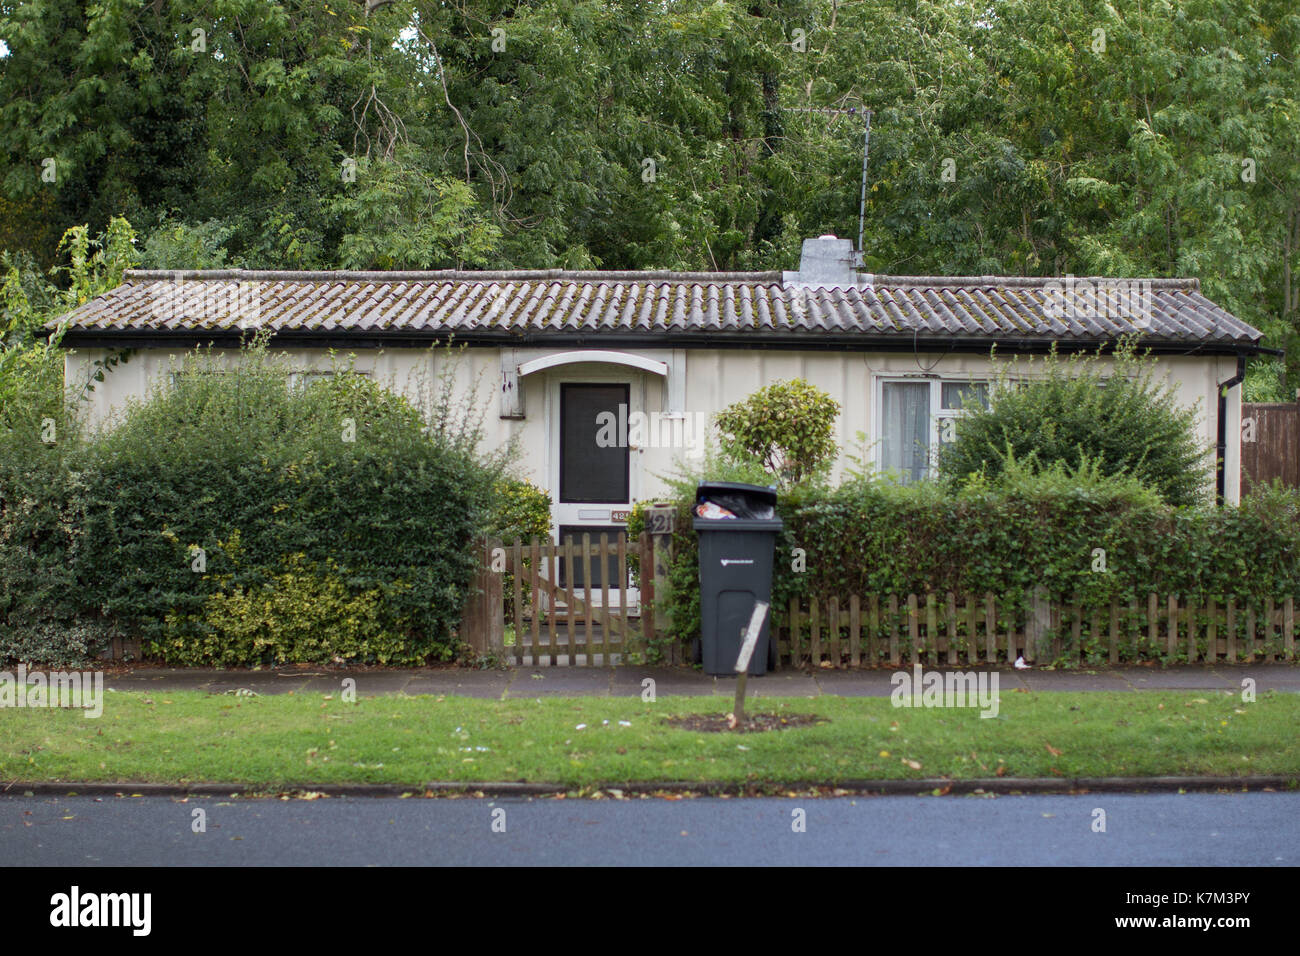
[[607, 377]]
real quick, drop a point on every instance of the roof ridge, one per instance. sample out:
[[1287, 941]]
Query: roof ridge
[[647, 275], [454, 275], [1030, 282]]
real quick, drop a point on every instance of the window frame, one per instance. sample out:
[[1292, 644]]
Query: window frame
[[938, 414]]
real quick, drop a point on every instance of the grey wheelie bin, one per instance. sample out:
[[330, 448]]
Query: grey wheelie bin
[[737, 527]]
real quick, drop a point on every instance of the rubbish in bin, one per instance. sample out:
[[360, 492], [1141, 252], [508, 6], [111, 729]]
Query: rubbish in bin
[[735, 500], [707, 509]]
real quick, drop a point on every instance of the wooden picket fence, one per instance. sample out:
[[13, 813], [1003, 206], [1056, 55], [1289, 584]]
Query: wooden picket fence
[[529, 611], [555, 622], [944, 629]]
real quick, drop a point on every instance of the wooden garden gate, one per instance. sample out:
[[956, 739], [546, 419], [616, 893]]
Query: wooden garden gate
[[539, 603]]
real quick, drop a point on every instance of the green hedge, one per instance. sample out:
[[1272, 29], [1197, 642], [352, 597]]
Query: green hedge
[[43, 613], [1027, 529], [233, 520]]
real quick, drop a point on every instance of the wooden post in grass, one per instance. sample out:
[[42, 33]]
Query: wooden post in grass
[[749, 641]]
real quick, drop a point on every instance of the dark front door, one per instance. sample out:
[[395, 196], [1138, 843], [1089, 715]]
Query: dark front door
[[593, 459]]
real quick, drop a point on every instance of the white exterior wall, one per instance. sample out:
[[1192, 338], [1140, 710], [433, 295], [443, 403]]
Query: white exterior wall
[[712, 379]]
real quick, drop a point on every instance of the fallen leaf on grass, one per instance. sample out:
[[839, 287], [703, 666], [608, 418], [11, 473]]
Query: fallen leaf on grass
[[1053, 751], [914, 764]]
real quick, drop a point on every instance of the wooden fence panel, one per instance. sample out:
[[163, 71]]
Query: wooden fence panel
[[1270, 446], [855, 634], [990, 629], [1288, 628], [601, 627], [833, 621], [516, 553]]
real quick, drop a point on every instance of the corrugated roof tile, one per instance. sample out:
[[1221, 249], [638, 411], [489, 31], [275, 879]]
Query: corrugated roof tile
[[1171, 310]]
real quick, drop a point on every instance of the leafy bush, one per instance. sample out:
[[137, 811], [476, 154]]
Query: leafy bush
[[1081, 410], [788, 427], [519, 510], [226, 491], [31, 368], [43, 617], [1029, 526], [281, 621]]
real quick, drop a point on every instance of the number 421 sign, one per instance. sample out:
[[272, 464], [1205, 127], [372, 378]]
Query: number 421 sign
[[659, 519]]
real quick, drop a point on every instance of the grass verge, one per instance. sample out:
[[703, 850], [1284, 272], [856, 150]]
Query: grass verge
[[292, 740]]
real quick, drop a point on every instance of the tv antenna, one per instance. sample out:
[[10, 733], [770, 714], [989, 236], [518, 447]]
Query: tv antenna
[[866, 151]]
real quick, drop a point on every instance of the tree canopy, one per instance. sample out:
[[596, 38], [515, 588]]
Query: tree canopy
[[1023, 137]]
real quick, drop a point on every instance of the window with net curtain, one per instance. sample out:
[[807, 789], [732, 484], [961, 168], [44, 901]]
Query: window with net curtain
[[905, 419], [912, 425]]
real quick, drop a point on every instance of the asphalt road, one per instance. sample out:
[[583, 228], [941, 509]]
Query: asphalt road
[[1242, 829]]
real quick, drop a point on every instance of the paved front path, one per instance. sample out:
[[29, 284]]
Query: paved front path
[[673, 681], [1202, 829]]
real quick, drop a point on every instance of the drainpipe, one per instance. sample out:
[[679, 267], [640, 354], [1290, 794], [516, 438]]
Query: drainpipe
[[1219, 477]]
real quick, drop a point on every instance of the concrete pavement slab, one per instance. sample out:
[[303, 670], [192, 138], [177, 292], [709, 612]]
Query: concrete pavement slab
[[854, 683], [171, 678], [1065, 680], [774, 684], [669, 681], [483, 684], [561, 682], [681, 681], [1177, 678], [1266, 676], [369, 683]]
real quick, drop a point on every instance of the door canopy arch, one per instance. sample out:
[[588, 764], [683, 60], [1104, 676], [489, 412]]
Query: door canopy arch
[[512, 405], [594, 355]]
